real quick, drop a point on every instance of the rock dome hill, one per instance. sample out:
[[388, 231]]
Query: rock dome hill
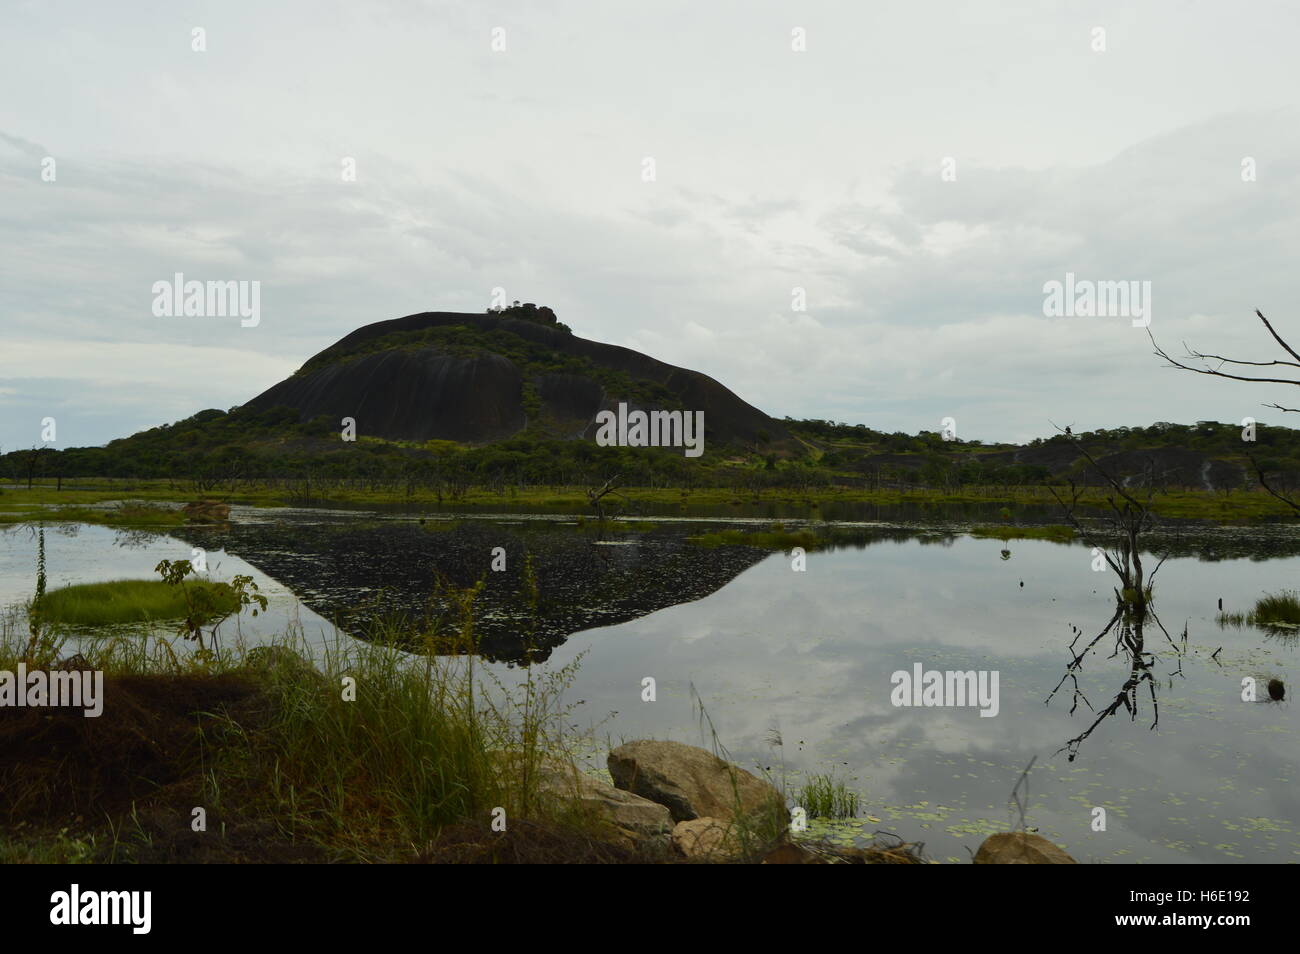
[[479, 378]]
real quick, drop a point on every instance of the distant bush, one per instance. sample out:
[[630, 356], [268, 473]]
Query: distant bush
[[528, 311]]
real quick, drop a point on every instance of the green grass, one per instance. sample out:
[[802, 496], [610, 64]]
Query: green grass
[[37, 506], [825, 797], [126, 601], [1273, 610], [1057, 534], [1282, 607], [19, 505], [423, 744], [421, 747]]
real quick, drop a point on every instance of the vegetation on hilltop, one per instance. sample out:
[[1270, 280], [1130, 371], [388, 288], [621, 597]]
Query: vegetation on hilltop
[[530, 312]]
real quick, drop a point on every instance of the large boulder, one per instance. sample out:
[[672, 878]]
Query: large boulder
[[706, 839], [691, 782], [1020, 848], [639, 822]]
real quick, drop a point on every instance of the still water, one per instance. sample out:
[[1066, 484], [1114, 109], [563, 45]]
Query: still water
[[794, 667]]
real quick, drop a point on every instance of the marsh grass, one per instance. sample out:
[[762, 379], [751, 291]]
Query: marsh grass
[[365, 753], [1273, 611], [130, 513], [823, 796], [1282, 607], [752, 834], [419, 744], [127, 601]]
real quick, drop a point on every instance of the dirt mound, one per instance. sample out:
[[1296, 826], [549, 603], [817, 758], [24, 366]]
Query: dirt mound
[[524, 843], [56, 762], [135, 773], [165, 836]]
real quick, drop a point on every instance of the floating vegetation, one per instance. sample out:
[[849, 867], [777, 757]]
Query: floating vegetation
[[439, 525], [775, 539]]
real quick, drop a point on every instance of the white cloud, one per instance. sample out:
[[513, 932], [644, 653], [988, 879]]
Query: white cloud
[[776, 170]]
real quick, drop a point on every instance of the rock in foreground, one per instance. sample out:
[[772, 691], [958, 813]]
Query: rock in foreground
[[640, 822], [706, 839], [691, 782], [1020, 848]]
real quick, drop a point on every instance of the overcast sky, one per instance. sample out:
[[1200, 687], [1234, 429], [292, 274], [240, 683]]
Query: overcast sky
[[774, 169]]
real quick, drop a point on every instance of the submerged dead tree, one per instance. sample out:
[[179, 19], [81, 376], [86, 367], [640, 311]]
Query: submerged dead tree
[[1118, 543], [596, 495]]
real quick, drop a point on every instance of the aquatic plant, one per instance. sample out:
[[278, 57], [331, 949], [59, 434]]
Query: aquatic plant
[[1274, 608], [824, 796], [1274, 612]]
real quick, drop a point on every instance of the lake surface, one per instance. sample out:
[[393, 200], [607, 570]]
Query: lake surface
[[806, 658]]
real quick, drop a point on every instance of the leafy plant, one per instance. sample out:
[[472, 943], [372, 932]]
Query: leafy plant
[[202, 605]]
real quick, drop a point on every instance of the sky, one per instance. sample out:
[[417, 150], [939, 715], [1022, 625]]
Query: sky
[[850, 210]]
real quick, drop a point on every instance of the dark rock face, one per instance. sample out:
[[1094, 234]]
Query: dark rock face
[[572, 401], [411, 395], [426, 393]]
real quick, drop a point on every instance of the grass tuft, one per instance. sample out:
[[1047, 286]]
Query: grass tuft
[[126, 601], [1279, 610], [823, 796]]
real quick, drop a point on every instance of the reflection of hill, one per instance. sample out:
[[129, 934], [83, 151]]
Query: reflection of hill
[[355, 572], [1211, 544]]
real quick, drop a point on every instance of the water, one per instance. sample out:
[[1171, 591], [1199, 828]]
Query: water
[[807, 657]]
